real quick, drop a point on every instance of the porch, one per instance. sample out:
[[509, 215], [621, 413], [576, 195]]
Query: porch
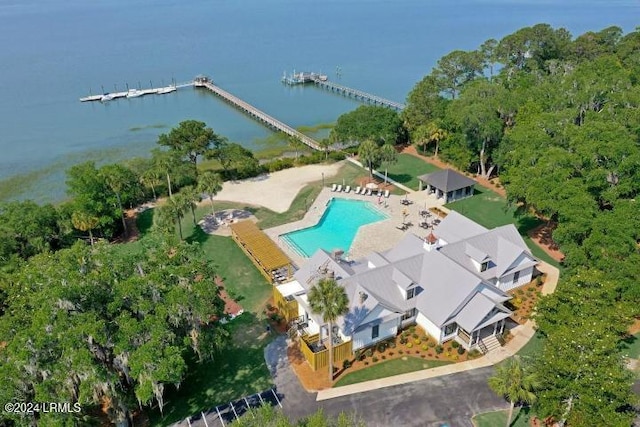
[[485, 338], [316, 353]]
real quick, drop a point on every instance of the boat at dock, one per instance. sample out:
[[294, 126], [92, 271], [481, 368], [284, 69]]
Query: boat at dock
[[165, 90], [134, 93], [303, 78], [106, 97], [91, 98]]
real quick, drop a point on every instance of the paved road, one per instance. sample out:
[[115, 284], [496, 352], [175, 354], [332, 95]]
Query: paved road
[[451, 400]]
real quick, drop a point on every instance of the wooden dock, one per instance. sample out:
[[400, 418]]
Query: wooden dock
[[205, 82], [135, 93], [357, 94]]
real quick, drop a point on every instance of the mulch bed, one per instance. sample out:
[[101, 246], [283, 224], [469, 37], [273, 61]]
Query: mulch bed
[[524, 300], [542, 236], [231, 307]]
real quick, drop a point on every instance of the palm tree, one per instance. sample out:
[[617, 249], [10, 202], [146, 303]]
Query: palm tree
[[166, 162], [515, 383], [325, 144], [210, 183], [84, 221], [436, 134], [295, 143], [171, 214], [329, 299], [420, 137], [369, 154], [189, 198], [388, 155], [118, 180], [150, 178]]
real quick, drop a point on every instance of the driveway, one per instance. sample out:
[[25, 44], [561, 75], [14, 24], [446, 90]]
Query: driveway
[[450, 400]]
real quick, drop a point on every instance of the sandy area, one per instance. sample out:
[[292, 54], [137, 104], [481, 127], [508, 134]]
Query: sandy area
[[276, 190]]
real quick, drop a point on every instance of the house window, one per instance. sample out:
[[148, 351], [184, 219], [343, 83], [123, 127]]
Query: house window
[[409, 314], [516, 276], [375, 331], [484, 266], [411, 293], [450, 329]]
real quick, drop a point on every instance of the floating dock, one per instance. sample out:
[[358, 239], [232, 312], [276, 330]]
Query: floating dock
[[207, 83], [135, 93]]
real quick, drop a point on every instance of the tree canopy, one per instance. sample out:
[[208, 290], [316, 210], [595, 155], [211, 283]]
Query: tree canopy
[[376, 123], [101, 328]]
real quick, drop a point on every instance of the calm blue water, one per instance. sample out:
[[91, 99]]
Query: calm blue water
[[53, 52], [337, 227]]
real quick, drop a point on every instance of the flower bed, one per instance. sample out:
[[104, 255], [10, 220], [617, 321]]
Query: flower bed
[[411, 342], [524, 299]]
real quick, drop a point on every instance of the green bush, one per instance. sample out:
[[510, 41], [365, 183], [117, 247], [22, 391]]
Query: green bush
[[369, 352], [415, 336], [455, 344], [409, 345], [417, 341], [346, 364], [425, 348], [431, 344], [278, 164], [337, 155], [439, 349], [403, 340], [375, 359], [460, 350], [412, 329], [381, 347], [392, 344], [474, 353]]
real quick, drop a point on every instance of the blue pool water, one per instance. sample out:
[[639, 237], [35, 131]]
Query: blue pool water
[[337, 227]]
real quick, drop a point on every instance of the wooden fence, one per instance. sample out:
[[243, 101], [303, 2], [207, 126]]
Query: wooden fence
[[289, 309], [321, 359]]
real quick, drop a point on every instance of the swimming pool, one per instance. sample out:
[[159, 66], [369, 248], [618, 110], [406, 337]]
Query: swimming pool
[[337, 227]]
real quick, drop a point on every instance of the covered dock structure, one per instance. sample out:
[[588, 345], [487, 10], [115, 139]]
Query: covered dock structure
[[271, 261]]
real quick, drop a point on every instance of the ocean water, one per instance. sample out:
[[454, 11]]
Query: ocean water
[[52, 52]]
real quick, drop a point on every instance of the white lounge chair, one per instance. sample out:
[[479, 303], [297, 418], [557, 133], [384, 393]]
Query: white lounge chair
[[386, 193], [347, 189], [379, 193], [368, 191], [339, 188], [357, 191], [333, 188]]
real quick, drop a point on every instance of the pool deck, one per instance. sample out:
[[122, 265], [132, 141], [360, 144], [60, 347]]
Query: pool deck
[[377, 236]]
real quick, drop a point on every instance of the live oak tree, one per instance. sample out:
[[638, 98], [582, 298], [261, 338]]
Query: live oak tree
[[377, 123], [107, 329]]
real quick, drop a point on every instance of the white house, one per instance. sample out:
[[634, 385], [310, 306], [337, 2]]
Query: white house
[[452, 283]]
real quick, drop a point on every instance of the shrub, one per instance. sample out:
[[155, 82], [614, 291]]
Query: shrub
[[417, 341], [278, 164], [375, 359], [383, 357], [455, 344], [381, 347], [409, 345], [403, 340], [439, 349], [392, 344], [337, 155], [431, 344], [346, 364], [456, 357], [415, 336], [369, 352], [460, 350], [366, 363], [360, 355], [269, 307], [520, 291], [474, 353], [400, 352], [412, 329], [423, 356], [391, 353], [539, 280], [424, 347]]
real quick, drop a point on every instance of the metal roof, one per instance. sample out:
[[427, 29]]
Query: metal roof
[[447, 180], [263, 250]]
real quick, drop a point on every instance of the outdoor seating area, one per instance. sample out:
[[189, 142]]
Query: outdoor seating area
[[428, 219], [370, 189], [280, 275]]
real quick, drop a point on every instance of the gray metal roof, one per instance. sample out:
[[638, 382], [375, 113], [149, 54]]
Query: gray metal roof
[[312, 270], [455, 227], [447, 180], [474, 311], [503, 245]]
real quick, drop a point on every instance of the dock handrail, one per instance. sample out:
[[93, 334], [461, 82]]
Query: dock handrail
[[358, 93], [256, 113]]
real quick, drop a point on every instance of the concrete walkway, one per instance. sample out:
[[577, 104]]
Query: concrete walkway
[[521, 336]]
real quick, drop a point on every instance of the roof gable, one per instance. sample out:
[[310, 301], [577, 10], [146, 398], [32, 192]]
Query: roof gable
[[455, 227]]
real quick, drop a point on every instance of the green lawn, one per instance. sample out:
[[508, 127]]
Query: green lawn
[[631, 347], [389, 368], [407, 169], [491, 210], [533, 347], [238, 372], [499, 418]]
